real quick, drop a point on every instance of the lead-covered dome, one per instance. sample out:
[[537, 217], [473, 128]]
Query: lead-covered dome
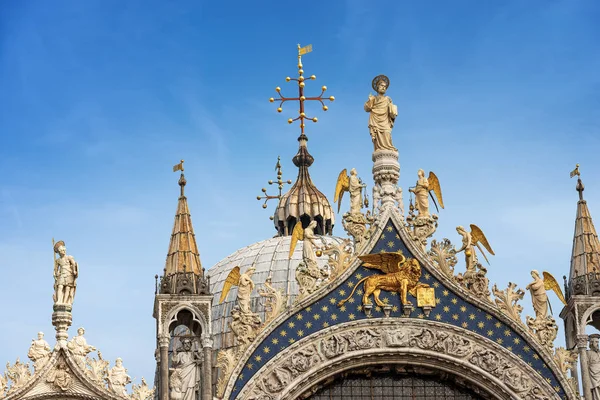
[[270, 257]]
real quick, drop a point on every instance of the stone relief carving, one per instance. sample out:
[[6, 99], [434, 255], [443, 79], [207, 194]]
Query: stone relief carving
[[39, 352], [339, 257], [278, 375], [308, 274], [443, 255], [18, 374], [274, 300], [142, 391], [98, 369], [544, 330], [60, 377], [79, 348], [117, 378], [507, 299], [226, 360], [245, 326], [567, 363]]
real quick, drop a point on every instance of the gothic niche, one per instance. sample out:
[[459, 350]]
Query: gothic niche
[[396, 383], [185, 357]]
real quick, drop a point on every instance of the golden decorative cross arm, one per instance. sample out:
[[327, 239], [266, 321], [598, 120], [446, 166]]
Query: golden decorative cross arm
[[301, 97]]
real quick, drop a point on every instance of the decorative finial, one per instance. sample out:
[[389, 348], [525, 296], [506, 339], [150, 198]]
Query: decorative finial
[[182, 181], [579, 186], [280, 184], [301, 98]]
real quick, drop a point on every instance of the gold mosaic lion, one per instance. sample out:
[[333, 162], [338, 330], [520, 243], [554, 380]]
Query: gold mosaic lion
[[401, 276]]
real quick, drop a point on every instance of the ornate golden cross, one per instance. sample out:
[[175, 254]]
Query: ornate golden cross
[[279, 182], [301, 98]]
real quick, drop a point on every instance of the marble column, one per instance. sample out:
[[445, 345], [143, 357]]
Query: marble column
[[207, 347], [163, 343], [582, 345]]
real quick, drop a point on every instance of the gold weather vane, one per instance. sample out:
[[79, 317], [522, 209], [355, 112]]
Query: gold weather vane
[[178, 167], [301, 97], [279, 182], [575, 171]]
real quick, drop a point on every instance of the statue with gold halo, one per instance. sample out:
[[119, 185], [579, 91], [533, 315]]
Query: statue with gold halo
[[401, 275], [474, 277], [308, 273], [66, 271], [383, 113]]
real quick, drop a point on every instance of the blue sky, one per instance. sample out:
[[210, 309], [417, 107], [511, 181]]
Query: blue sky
[[99, 99]]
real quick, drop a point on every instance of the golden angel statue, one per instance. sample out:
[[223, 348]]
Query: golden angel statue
[[422, 191], [245, 286], [383, 113], [351, 184], [538, 290], [470, 240], [401, 275], [309, 239]]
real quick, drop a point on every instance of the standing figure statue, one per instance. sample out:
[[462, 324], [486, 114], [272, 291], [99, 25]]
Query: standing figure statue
[[65, 275], [421, 191], [383, 113], [39, 352], [245, 287], [186, 365], [79, 347], [593, 355], [117, 378], [353, 185]]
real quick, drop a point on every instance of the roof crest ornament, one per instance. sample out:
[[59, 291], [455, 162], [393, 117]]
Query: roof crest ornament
[[303, 202], [280, 184]]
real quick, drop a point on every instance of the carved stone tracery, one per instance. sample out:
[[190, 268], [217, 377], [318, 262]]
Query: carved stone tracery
[[312, 356]]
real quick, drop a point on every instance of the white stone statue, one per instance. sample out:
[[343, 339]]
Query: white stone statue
[[539, 297], [383, 113], [79, 347], [117, 378], [39, 352], [187, 366], [245, 288], [421, 191], [65, 275], [593, 355]]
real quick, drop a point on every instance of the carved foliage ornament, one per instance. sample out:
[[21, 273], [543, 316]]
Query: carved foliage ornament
[[320, 352], [507, 299]]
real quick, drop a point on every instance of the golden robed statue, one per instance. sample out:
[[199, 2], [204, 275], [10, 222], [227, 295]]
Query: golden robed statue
[[383, 113]]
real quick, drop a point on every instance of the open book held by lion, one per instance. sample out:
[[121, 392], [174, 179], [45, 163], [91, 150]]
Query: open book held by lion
[[401, 275]]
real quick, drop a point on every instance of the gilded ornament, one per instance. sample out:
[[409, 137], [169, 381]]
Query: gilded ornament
[[401, 275]]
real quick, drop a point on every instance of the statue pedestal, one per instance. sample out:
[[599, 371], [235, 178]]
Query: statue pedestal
[[386, 172], [62, 319]]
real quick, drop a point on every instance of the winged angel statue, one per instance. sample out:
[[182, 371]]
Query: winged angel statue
[[354, 186], [423, 189], [245, 287], [401, 275], [470, 240], [308, 274], [539, 297]]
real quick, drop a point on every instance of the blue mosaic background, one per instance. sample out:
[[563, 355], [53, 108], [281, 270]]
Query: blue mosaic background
[[450, 309]]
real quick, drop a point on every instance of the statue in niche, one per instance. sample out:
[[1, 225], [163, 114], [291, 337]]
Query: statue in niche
[[186, 366], [39, 352], [383, 113], [117, 378], [79, 347], [65, 275], [593, 355]]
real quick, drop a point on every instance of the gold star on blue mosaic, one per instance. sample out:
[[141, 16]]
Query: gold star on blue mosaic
[[450, 308]]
